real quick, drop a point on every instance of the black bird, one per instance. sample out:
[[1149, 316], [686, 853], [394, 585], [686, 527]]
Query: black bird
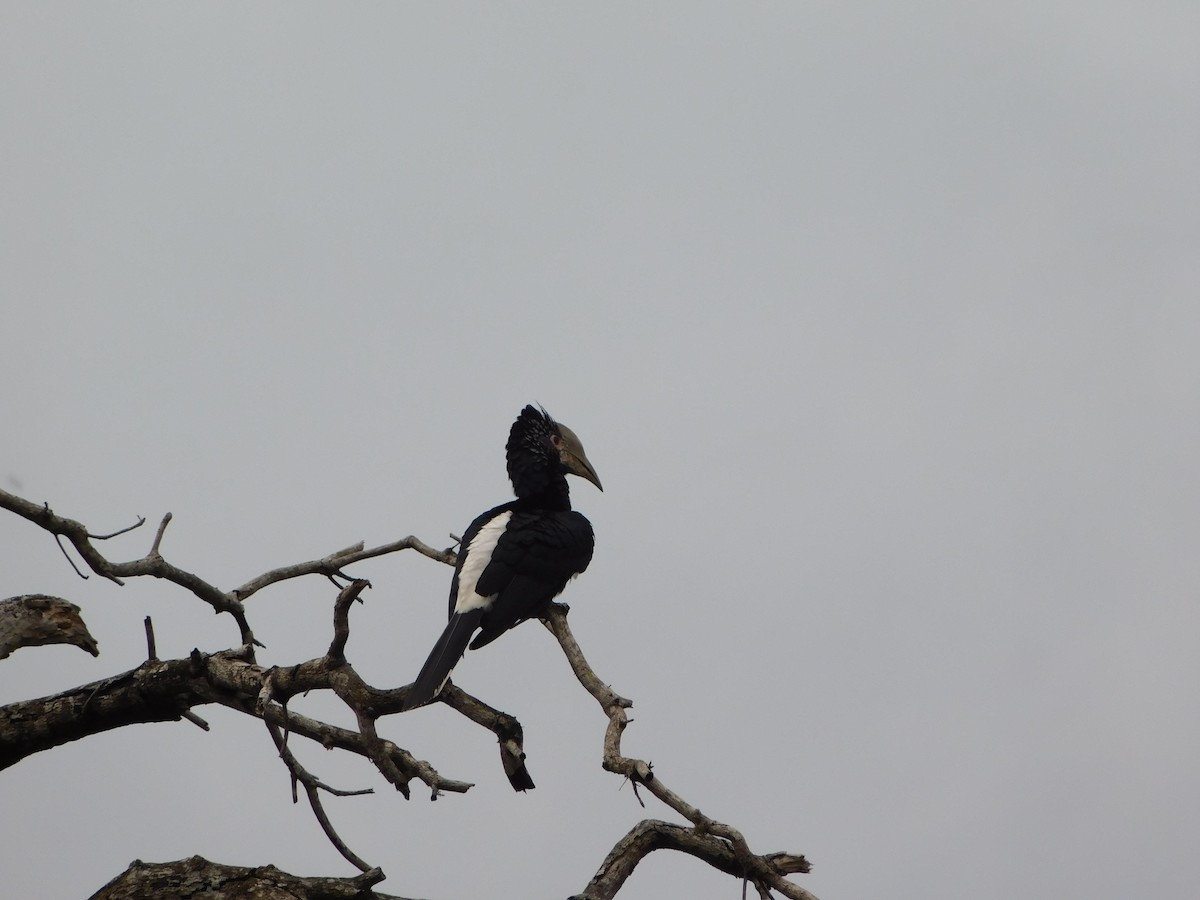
[[515, 558]]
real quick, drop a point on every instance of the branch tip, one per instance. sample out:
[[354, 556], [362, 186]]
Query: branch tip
[[141, 520], [195, 720], [158, 536], [151, 652]]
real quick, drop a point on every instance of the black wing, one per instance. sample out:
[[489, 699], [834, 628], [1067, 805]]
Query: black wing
[[535, 557]]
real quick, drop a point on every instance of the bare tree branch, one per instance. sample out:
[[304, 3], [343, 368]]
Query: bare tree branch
[[112, 534], [151, 648], [196, 877], [509, 733], [152, 564], [334, 563], [158, 535], [312, 789], [162, 691], [341, 619], [653, 834], [168, 690], [335, 737], [155, 691], [707, 836]]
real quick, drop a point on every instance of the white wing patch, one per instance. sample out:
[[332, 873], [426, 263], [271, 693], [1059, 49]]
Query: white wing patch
[[479, 554]]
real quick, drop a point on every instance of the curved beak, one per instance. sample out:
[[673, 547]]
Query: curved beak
[[580, 466], [575, 459]]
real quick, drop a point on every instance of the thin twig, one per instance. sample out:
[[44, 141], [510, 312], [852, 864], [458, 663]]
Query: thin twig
[[195, 719], [336, 562], [338, 792], [311, 789], [104, 537], [67, 556]]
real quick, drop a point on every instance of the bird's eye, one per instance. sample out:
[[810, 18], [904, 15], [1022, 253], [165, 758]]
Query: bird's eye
[[556, 441]]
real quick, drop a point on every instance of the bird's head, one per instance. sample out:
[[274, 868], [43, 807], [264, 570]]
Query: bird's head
[[540, 448]]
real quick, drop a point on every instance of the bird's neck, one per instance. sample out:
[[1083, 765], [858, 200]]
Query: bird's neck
[[552, 494]]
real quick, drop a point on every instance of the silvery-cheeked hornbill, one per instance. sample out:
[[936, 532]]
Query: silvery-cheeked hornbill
[[516, 558]]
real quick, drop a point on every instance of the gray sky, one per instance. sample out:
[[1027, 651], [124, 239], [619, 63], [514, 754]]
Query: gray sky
[[879, 322]]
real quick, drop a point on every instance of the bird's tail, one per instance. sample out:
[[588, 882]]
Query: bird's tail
[[443, 658]]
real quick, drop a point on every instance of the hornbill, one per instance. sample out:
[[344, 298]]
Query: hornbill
[[516, 558]]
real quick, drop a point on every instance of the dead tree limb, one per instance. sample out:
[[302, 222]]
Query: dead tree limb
[[34, 620], [151, 564], [197, 877], [334, 564], [707, 839]]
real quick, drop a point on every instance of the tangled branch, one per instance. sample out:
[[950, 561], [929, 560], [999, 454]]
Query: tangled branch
[[166, 690]]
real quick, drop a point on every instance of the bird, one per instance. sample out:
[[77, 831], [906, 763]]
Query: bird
[[517, 557]]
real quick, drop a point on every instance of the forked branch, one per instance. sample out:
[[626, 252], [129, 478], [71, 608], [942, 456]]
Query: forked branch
[[151, 564]]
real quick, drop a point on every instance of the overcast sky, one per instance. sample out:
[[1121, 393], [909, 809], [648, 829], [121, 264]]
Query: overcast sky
[[879, 321]]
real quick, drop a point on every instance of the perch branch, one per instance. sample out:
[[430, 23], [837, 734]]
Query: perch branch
[[164, 690], [167, 690]]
